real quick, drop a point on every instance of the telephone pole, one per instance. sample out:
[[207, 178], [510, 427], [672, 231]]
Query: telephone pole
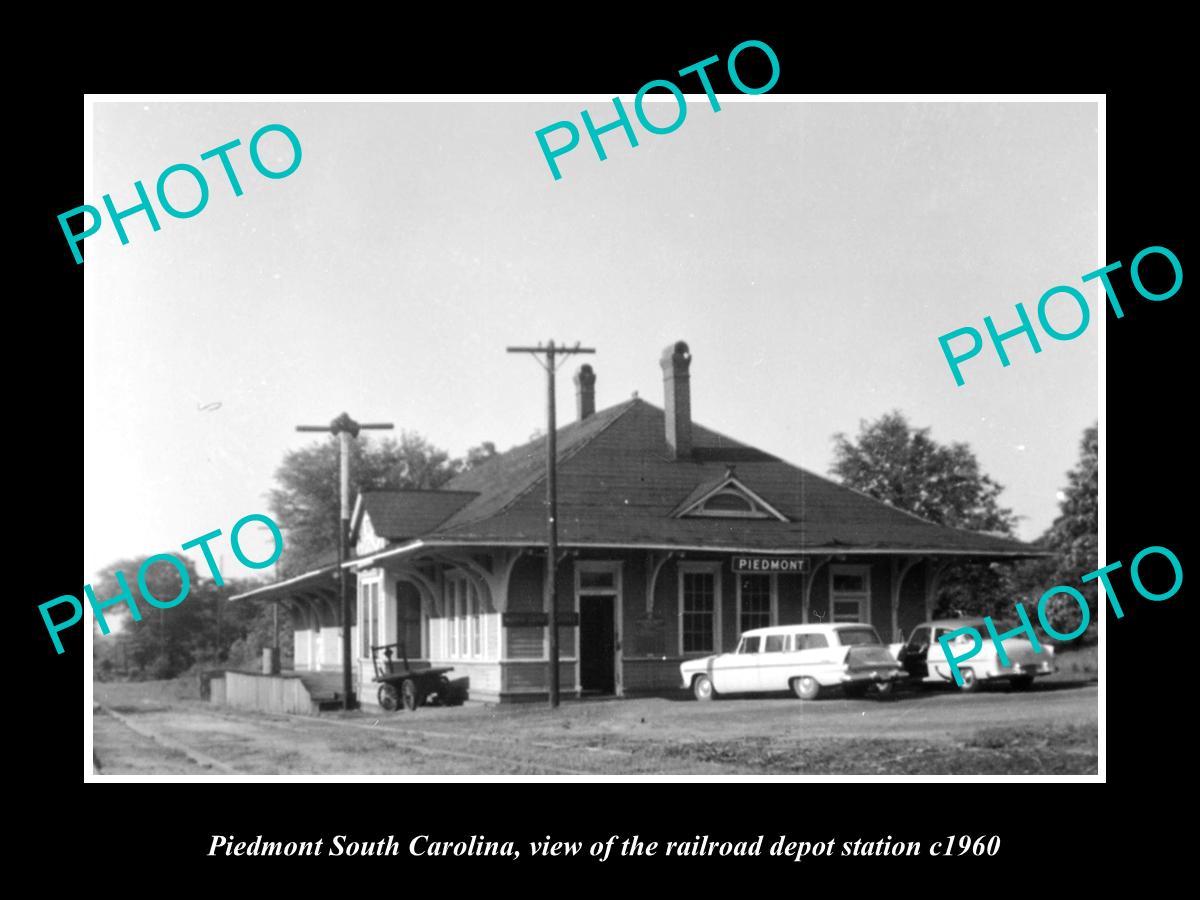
[[550, 351], [345, 428]]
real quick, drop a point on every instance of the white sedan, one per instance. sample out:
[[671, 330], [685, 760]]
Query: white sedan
[[804, 659], [925, 660]]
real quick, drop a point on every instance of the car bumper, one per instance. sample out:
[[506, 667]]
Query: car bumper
[[878, 674], [1023, 670]]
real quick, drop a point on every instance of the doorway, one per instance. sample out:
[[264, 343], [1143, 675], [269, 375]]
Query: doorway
[[597, 644]]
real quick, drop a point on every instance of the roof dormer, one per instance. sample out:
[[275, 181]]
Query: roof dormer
[[727, 498]]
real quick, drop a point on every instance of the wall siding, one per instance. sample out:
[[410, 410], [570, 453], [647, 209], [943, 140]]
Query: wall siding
[[652, 674], [267, 693], [791, 599], [492, 635], [532, 677], [330, 646], [912, 599], [526, 643], [525, 585], [566, 642], [881, 597], [301, 658], [818, 600]]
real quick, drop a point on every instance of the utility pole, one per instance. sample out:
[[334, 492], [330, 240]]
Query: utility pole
[[550, 351], [345, 428], [217, 599]]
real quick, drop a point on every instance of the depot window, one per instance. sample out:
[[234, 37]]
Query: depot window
[[699, 608], [463, 631], [368, 617]]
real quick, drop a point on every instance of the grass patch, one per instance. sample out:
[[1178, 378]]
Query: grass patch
[[1025, 750], [135, 710], [361, 745], [1078, 660], [144, 693], [1027, 737]]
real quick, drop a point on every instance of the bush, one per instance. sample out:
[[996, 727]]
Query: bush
[[1063, 613]]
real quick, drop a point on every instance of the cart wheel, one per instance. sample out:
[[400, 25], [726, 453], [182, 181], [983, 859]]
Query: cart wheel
[[409, 691], [389, 699]]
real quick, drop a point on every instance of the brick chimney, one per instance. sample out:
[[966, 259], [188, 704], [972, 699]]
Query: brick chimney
[[585, 391], [677, 401]]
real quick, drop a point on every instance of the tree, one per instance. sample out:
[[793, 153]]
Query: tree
[[1074, 534], [307, 505], [167, 642], [478, 455], [1074, 539], [904, 467]]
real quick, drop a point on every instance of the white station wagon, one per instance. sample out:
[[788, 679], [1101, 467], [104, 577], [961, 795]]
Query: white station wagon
[[925, 660], [803, 659]]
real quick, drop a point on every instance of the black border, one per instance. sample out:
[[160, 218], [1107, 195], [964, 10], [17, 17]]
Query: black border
[[1147, 474]]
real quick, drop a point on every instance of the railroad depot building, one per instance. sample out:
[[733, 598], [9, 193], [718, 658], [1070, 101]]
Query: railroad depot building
[[673, 539]]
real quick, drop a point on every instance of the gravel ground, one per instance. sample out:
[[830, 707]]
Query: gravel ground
[[1048, 730]]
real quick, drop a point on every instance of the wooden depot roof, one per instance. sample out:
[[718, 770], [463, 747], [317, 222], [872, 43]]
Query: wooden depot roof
[[402, 514], [619, 486]]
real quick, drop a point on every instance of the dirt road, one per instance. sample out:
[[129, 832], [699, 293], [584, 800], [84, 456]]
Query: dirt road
[[1051, 729]]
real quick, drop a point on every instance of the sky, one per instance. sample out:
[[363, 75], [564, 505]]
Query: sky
[[810, 254]]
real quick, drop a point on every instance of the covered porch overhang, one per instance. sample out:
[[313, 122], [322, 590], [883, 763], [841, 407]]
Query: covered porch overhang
[[313, 599], [490, 562], [934, 565], [487, 566]]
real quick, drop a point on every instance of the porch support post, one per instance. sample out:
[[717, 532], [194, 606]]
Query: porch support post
[[654, 565], [817, 562], [934, 568], [900, 568]]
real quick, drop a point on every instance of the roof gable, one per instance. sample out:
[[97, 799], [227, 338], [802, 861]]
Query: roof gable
[[399, 514], [720, 499]]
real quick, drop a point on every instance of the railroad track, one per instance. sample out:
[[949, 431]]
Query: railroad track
[[422, 745], [201, 759], [497, 757]]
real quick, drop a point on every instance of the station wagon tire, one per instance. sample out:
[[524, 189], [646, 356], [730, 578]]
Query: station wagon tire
[[389, 698], [445, 695], [806, 687], [970, 683], [408, 691], [1021, 683], [702, 687]]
